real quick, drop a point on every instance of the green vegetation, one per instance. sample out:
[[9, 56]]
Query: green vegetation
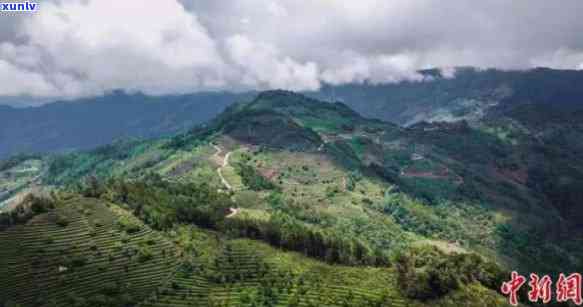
[[243, 272], [161, 204], [252, 179], [344, 211], [284, 231], [247, 273], [427, 273], [80, 265]]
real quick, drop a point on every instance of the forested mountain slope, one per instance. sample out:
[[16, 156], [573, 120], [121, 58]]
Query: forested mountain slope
[[89, 122], [284, 200]]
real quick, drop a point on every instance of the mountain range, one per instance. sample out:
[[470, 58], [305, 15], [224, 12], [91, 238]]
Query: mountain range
[[470, 95], [283, 199], [89, 122]]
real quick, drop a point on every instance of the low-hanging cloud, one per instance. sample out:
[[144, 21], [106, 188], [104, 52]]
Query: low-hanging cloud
[[71, 48], [262, 65]]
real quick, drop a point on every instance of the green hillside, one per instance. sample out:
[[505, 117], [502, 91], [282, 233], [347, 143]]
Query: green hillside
[[81, 252], [290, 201]]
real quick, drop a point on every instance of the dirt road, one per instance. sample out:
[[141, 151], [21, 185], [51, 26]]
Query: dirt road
[[224, 164]]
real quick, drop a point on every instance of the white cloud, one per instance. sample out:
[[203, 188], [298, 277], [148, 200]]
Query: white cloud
[[107, 44], [84, 47], [561, 59], [262, 66], [276, 9], [494, 33], [376, 69], [16, 82], [448, 72]]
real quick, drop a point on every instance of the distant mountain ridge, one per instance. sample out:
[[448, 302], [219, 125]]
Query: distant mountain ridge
[[90, 122], [471, 95]]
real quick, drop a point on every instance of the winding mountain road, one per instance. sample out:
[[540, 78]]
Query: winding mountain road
[[224, 164], [233, 211]]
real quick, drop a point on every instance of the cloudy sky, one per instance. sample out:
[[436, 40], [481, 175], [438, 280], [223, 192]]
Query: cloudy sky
[[72, 48]]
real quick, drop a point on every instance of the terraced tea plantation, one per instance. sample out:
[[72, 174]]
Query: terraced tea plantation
[[244, 272], [83, 252], [88, 252], [240, 272]]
